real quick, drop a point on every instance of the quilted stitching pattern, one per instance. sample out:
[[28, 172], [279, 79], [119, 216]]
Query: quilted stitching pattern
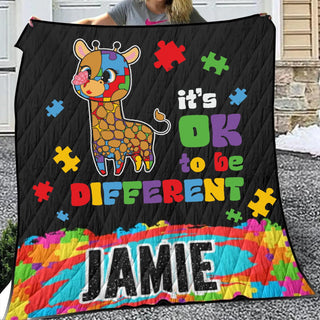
[[47, 68]]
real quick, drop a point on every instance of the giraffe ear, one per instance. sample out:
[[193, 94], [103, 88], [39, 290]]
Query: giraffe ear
[[81, 49], [132, 55]]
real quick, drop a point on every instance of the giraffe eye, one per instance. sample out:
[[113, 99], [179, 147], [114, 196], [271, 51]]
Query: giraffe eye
[[109, 76], [86, 69]]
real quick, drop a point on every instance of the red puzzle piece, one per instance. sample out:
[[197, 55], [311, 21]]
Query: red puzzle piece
[[167, 54], [42, 191]]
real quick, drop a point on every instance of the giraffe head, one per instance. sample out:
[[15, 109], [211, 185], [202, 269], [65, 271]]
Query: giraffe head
[[103, 74]]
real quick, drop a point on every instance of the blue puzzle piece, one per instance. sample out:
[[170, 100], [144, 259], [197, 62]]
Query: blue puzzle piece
[[55, 109], [117, 63], [270, 290], [239, 97], [62, 216], [137, 228]]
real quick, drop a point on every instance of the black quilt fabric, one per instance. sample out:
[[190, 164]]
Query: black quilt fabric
[[146, 168]]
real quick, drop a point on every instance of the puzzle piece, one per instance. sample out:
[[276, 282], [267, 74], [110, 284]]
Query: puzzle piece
[[294, 288], [234, 216], [78, 234], [283, 270], [270, 225], [126, 84], [64, 156], [55, 109], [259, 207], [167, 54], [62, 216], [211, 62], [42, 190], [271, 290], [239, 97]]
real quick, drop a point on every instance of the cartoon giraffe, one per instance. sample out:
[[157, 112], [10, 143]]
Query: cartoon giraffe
[[104, 79]]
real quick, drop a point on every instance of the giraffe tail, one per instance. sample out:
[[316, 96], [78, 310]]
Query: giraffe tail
[[161, 117]]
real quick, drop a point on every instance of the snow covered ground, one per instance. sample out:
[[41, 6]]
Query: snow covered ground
[[4, 297], [300, 139]]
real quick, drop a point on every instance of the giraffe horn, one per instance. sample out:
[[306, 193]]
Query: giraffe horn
[[116, 46], [95, 45]]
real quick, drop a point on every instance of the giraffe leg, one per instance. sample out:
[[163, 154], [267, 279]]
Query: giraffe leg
[[100, 164], [148, 159], [119, 165], [138, 162]]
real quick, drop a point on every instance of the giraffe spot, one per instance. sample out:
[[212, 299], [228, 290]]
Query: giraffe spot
[[108, 106], [101, 112], [96, 134], [110, 118], [101, 142], [128, 133], [150, 138], [94, 120], [114, 143], [141, 136], [144, 145], [117, 155], [123, 148], [135, 142], [117, 113], [94, 105], [126, 140], [120, 125], [104, 125], [112, 128], [119, 162], [112, 150], [100, 149], [146, 153], [119, 135], [119, 94], [129, 124], [136, 149], [129, 145], [135, 129], [146, 129], [108, 153], [107, 135]]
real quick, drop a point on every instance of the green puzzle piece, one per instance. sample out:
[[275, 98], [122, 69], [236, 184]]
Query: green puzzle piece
[[269, 225], [126, 85], [209, 296], [75, 234], [283, 270], [23, 272], [100, 73], [211, 62]]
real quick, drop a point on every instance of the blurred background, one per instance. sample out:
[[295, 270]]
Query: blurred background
[[297, 26]]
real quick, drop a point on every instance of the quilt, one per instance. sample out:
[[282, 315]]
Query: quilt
[[146, 168]]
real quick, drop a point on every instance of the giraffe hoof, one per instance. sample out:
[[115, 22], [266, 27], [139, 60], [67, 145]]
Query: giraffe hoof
[[118, 171], [103, 172], [138, 162]]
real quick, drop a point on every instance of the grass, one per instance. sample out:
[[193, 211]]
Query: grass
[[7, 253]]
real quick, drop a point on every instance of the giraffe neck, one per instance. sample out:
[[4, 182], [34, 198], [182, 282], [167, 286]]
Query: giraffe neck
[[101, 110]]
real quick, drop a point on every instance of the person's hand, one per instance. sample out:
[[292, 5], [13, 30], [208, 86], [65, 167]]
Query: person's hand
[[32, 18]]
